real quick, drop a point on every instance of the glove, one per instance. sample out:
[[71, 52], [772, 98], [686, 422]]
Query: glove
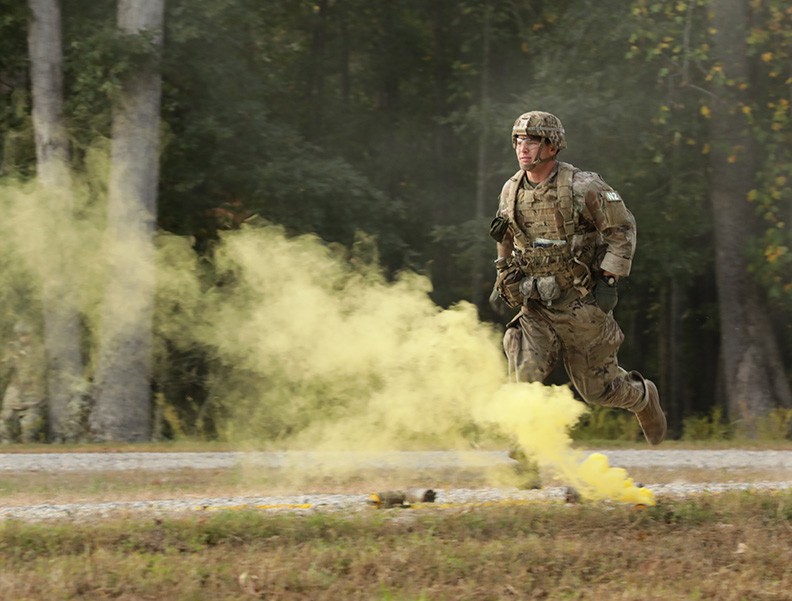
[[508, 282], [606, 293]]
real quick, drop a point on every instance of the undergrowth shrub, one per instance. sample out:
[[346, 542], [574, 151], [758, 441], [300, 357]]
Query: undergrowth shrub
[[707, 427], [606, 423]]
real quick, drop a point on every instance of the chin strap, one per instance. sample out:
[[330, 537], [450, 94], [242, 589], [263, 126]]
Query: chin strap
[[535, 163]]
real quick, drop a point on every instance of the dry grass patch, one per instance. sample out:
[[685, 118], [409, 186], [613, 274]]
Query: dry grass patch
[[729, 547]]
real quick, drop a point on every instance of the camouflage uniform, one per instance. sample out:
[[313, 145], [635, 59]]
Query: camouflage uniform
[[565, 232], [23, 406]]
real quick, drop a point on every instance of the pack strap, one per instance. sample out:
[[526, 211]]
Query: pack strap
[[511, 194], [566, 208]]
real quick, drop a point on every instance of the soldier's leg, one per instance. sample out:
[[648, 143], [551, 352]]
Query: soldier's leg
[[532, 350], [531, 347], [591, 342]]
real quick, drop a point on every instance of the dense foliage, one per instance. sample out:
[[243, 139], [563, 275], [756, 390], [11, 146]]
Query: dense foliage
[[346, 116]]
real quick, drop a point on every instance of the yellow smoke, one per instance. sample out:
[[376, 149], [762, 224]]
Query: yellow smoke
[[540, 417], [352, 361], [310, 346]]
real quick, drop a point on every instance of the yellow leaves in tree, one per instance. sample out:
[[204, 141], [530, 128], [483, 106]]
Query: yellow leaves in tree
[[774, 252], [767, 57], [705, 111], [715, 70]]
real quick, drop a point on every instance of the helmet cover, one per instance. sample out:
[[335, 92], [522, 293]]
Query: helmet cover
[[544, 125]]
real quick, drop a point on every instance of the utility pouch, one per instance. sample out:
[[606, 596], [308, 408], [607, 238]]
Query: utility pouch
[[498, 228], [528, 288], [606, 293], [547, 288]]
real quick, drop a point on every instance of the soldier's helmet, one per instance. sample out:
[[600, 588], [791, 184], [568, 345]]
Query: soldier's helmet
[[539, 123]]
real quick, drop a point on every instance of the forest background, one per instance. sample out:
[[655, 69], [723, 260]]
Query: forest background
[[384, 127]]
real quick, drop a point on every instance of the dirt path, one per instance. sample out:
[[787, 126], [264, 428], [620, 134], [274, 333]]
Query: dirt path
[[717, 462], [661, 458]]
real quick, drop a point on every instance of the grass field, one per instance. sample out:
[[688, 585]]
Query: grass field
[[729, 546]]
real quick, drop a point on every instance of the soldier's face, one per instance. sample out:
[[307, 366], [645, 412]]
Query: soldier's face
[[529, 149]]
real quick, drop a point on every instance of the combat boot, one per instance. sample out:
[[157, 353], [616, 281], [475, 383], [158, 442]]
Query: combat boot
[[651, 417]]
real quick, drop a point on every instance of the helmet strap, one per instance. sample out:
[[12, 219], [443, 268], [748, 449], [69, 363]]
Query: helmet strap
[[539, 160]]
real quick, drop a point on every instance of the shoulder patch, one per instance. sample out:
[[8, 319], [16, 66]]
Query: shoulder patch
[[612, 196]]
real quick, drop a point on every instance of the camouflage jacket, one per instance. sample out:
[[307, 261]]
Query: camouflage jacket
[[596, 227]]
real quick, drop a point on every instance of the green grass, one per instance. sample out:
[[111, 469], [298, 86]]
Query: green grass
[[728, 547]]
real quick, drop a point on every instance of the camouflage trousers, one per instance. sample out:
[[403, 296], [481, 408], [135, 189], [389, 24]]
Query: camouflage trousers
[[589, 340], [21, 425]]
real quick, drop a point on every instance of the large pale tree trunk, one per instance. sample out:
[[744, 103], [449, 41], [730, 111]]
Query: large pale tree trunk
[[755, 380], [123, 389], [61, 319]]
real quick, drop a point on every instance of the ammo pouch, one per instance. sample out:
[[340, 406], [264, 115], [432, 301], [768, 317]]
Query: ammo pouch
[[544, 288]]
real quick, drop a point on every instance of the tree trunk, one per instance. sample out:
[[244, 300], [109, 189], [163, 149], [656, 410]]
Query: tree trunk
[[61, 319], [123, 389], [478, 294], [46, 76], [755, 382]]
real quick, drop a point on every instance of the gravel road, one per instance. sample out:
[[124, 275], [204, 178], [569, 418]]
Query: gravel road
[[14, 463]]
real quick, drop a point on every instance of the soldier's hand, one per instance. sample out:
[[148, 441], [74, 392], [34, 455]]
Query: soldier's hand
[[498, 303]]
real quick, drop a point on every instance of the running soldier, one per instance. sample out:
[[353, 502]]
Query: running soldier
[[564, 239]]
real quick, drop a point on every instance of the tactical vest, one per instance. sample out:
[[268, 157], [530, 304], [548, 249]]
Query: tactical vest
[[543, 223]]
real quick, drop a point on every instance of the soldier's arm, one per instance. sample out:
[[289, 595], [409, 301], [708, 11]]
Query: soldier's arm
[[616, 224], [505, 241], [505, 246]]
